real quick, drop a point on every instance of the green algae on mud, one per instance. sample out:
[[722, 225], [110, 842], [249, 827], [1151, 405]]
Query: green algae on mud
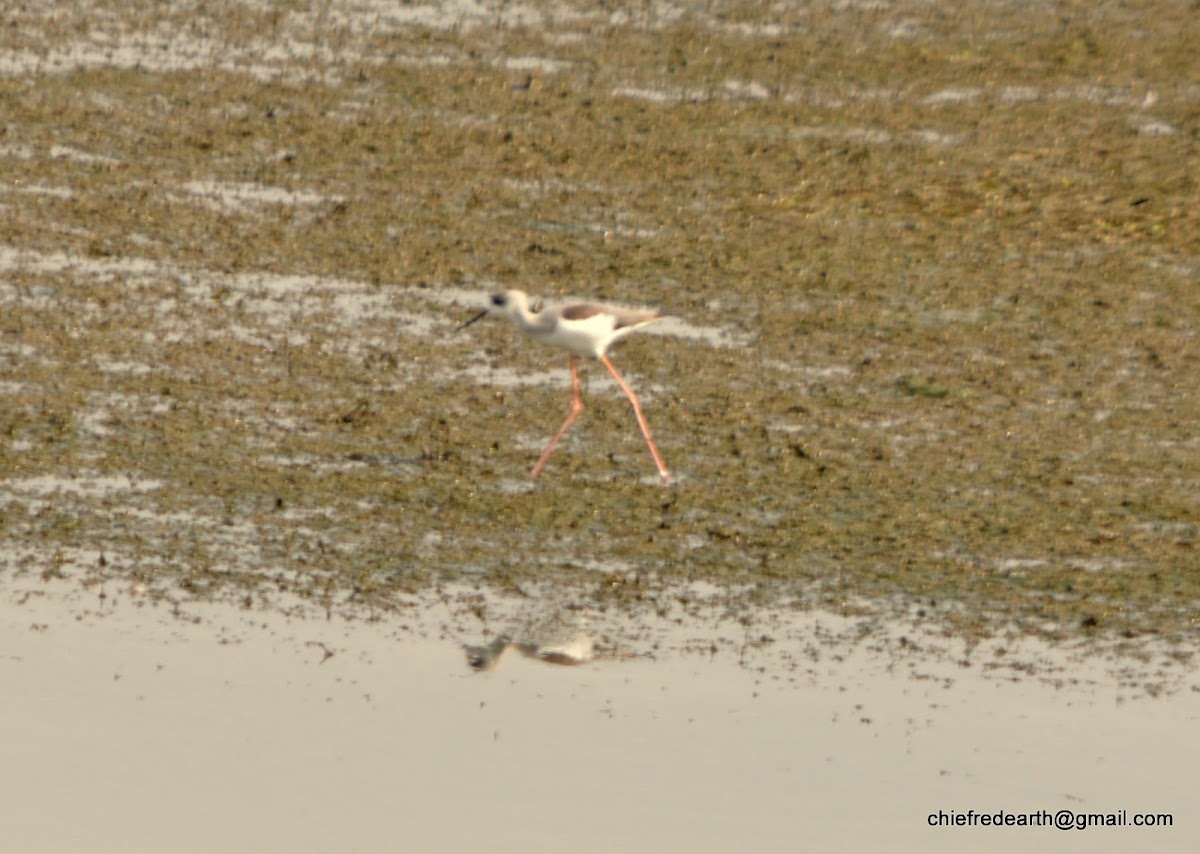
[[965, 269]]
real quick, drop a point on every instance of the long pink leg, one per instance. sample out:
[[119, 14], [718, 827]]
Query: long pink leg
[[637, 410], [576, 408]]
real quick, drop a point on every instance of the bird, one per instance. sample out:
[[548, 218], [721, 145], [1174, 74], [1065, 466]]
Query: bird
[[582, 329]]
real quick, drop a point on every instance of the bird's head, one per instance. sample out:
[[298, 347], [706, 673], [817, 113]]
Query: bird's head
[[512, 302]]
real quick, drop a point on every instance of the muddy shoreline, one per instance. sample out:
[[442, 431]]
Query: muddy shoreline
[[950, 259]]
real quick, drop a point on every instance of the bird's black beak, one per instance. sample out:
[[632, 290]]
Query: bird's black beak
[[479, 316]]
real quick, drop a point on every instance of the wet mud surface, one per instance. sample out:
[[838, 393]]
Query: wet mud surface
[[935, 269]]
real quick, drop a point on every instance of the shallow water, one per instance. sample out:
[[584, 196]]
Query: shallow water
[[218, 728]]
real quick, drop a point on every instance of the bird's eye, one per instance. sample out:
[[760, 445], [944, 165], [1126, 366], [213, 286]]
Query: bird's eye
[[498, 300]]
